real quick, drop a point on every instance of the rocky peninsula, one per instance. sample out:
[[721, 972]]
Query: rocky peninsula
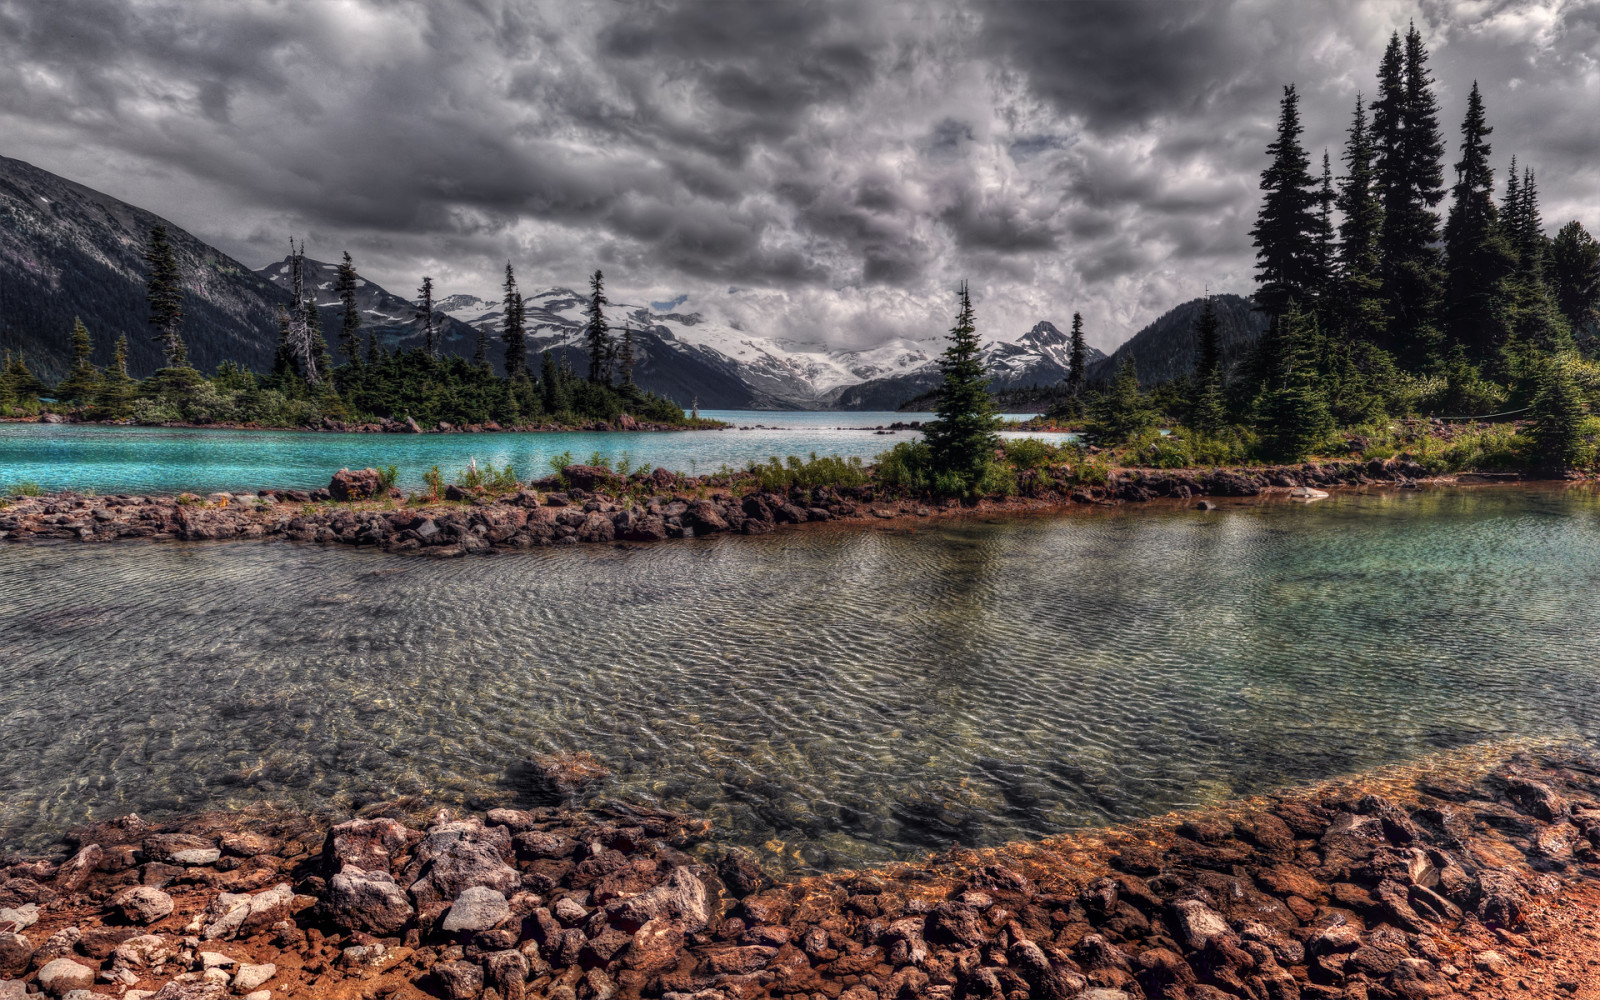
[[1455, 878], [589, 504]]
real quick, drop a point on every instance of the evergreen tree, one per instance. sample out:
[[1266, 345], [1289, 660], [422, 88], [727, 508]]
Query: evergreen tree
[[480, 351], [350, 317], [115, 396], [553, 386], [1077, 358], [1324, 235], [1360, 296], [374, 351], [1205, 401], [514, 333], [1477, 257], [18, 383], [1120, 413], [961, 441], [1557, 413], [83, 380], [625, 357], [597, 334], [1536, 319], [1411, 181], [164, 292], [1575, 278], [1292, 413], [1285, 234], [321, 359], [425, 313]]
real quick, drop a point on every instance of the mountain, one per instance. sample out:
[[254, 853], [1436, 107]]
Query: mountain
[[392, 318], [69, 251], [1165, 349]]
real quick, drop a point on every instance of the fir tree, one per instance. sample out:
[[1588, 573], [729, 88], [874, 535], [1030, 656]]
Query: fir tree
[[625, 356], [597, 334], [1285, 234], [1412, 183], [1077, 358], [1557, 413], [1324, 234], [115, 395], [1360, 301], [553, 387], [321, 360], [1575, 278], [1535, 318], [480, 351], [1292, 413], [425, 314], [514, 333], [350, 316], [1205, 402], [18, 383], [961, 441], [1120, 413], [83, 380], [1477, 257], [164, 292]]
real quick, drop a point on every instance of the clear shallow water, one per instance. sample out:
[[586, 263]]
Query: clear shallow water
[[833, 696], [168, 460]]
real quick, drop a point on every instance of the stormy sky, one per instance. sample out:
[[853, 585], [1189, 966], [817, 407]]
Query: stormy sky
[[817, 172]]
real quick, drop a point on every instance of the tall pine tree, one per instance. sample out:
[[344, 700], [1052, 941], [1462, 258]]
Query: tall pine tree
[[1205, 401], [1477, 258], [114, 399], [1285, 234], [1292, 412], [1575, 278], [1077, 358], [597, 334], [962, 439], [514, 331], [1360, 294], [164, 292], [83, 380], [1411, 180], [350, 314], [428, 318]]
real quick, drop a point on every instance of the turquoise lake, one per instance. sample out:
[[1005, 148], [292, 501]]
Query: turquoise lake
[[828, 696], [166, 460]]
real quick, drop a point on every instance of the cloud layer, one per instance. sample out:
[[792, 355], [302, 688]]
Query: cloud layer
[[822, 172]]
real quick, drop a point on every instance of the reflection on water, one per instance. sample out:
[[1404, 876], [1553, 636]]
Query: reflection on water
[[842, 696]]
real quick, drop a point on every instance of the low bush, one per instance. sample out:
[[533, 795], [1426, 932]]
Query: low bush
[[778, 476]]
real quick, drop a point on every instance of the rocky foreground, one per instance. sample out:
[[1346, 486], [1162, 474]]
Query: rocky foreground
[[590, 504], [1448, 883]]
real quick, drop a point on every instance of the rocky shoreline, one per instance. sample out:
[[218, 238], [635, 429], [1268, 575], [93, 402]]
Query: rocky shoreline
[[591, 505], [1451, 880]]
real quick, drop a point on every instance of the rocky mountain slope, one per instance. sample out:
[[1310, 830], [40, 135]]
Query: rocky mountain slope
[[69, 251], [1165, 349]]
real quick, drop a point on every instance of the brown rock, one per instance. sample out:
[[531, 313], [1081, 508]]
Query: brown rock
[[141, 904], [362, 484]]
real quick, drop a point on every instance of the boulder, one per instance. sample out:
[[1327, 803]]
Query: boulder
[[72, 875], [1197, 923], [457, 855], [704, 517], [63, 975], [141, 904], [476, 909], [459, 980], [656, 946], [681, 897], [359, 485], [177, 990], [372, 845], [143, 952], [16, 951], [250, 977], [368, 901], [589, 477], [233, 915]]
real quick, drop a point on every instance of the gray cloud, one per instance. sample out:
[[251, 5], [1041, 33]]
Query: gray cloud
[[808, 170]]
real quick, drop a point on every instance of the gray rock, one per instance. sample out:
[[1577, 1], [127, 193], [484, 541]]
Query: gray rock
[[191, 991], [476, 909], [458, 855], [143, 952], [13, 989], [231, 915], [1197, 922], [15, 953], [251, 976], [24, 916], [63, 975], [368, 901], [142, 904], [460, 980], [682, 896], [197, 857]]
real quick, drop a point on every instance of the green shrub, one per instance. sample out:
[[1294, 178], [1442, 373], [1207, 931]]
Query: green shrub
[[599, 461], [387, 476], [560, 462], [27, 489], [1030, 453], [778, 476], [907, 467], [488, 479], [435, 480]]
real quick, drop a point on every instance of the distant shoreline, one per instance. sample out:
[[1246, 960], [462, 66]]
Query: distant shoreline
[[408, 426]]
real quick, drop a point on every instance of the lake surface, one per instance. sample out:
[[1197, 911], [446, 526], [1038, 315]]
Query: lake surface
[[829, 697], [169, 460]]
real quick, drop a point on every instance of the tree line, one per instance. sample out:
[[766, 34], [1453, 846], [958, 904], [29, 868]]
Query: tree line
[[363, 381]]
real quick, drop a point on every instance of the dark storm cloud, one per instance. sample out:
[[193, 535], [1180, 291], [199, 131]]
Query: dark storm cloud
[[841, 164]]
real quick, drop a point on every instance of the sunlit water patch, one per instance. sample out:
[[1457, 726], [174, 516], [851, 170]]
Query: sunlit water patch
[[836, 696]]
